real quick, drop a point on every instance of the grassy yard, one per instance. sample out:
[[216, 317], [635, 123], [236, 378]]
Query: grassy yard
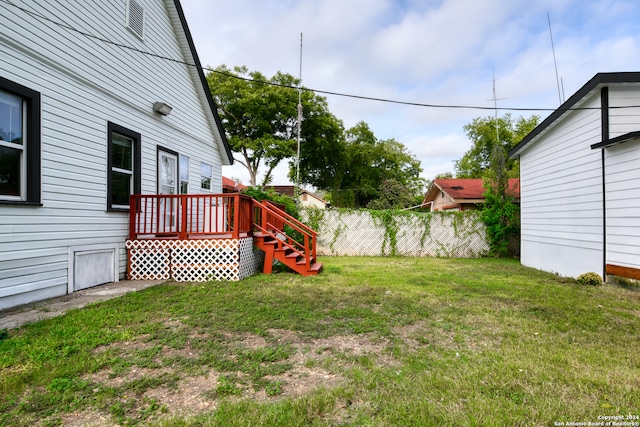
[[370, 341]]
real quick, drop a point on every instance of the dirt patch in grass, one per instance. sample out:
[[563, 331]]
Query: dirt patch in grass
[[441, 335], [201, 391], [88, 418], [189, 397]]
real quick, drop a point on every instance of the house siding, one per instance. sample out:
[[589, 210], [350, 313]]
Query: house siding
[[623, 204], [627, 119], [86, 83], [440, 202], [561, 196]]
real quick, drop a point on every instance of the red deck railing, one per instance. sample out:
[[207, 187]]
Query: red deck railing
[[189, 216], [230, 216]]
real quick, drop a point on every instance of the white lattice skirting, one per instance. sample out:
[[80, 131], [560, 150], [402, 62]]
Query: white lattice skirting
[[197, 260]]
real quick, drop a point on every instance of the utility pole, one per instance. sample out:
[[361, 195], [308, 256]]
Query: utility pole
[[297, 186]]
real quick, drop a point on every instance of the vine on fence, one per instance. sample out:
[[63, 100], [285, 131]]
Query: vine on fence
[[387, 219], [464, 225], [314, 218]]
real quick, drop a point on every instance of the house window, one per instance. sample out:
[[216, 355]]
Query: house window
[[124, 167], [184, 174], [19, 144], [206, 173]]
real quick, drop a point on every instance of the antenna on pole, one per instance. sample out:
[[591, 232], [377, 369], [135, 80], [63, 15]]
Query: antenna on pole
[[495, 104], [297, 187], [553, 49]]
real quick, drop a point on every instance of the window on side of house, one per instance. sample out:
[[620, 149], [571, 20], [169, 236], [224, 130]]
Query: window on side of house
[[184, 174], [123, 171], [206, 175], [20, 132]]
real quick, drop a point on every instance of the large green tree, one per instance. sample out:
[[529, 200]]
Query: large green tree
[[487, 132], [322, 146], [260, 115], [369, 166]]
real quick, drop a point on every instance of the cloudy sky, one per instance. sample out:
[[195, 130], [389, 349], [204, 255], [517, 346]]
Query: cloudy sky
[[442, 52]]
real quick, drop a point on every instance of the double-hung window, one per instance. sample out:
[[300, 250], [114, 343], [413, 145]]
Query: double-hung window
[[123, 172], [206, 176], [184, 174], [19, 144]]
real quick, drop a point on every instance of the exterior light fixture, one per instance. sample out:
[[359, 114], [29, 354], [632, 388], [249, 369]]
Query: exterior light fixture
[[162, 108]]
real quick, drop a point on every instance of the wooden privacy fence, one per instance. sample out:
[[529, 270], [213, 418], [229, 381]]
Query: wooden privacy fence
[[377, 233]]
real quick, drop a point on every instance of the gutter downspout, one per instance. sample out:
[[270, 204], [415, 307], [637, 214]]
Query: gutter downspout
[[604, 120]]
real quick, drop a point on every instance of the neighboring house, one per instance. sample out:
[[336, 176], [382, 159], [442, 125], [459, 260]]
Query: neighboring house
[[284, 190], [231, 186], [91, 112], [580, 208], [306, 198], [462, 194], [310, 200]]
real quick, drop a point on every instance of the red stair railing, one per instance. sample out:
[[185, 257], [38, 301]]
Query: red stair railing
[[272, 220]]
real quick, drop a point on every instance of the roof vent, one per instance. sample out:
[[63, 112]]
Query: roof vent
[[135, 18]]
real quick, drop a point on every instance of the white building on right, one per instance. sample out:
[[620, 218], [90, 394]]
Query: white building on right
[[580, 182]]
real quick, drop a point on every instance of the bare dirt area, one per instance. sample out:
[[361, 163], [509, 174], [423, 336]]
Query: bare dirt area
[[161, 383]]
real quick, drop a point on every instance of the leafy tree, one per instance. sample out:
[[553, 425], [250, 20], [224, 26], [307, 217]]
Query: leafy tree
[[322, 146], [487, 132], [290, 206], [368, 164], [260, 115], [393, 195], [499, 214]]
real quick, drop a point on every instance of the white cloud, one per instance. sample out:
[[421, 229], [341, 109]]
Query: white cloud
[[425, 51]]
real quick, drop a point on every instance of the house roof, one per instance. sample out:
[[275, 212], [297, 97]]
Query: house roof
[[466, 190], [598, 81], [315, 196], [285, 190], [290, 190], [231, 185], [191, 56]]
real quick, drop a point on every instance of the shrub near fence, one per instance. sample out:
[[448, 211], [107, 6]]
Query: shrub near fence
[[348, 232]]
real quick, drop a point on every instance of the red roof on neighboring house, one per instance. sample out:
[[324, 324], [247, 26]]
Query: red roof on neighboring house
[[467, 189], [231, 186], [473, 188]]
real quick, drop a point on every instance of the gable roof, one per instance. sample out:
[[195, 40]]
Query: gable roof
[[598, 81], [466, 190], [231, 185], [315, 196], [285, 190], [185, 40]]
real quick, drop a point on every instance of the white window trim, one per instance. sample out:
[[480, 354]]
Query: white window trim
[[23, 156], [203, 176], [181, 168], [125, 171], [135, 172]]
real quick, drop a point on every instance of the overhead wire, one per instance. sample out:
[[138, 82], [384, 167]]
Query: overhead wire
[[319, 91]]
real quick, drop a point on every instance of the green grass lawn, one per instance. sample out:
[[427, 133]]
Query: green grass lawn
[[370, 341]]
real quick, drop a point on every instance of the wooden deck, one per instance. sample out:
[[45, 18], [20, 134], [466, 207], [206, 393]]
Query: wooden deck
[[210, 218]]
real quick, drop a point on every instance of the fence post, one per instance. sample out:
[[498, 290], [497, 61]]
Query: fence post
[[183, 212], [133, 208]]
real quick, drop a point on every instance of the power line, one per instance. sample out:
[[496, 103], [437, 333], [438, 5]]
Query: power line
[[320, 91]]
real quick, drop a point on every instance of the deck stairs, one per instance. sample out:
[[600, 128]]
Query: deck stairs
[[282, 237]]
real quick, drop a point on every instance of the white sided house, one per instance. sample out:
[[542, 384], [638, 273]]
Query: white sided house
[[98, 101], [580, 182]]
